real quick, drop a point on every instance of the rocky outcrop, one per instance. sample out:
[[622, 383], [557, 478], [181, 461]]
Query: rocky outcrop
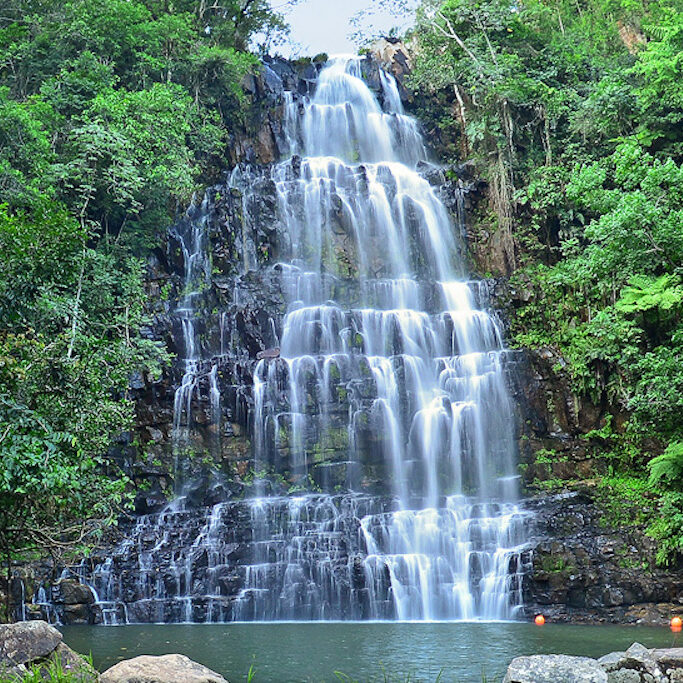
[[587, 571], [37, 645], [164, 669], [636, 665], [555, 421], [555, 669]]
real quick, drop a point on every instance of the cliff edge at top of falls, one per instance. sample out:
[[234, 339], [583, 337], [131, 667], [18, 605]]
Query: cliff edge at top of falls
[[261, 140]]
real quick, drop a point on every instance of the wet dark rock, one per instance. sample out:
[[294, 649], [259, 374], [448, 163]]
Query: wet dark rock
[[268, 354], [586, 571], [71, 592]]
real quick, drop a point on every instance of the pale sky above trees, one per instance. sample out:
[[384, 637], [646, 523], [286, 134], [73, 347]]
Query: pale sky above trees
[[325, 25]]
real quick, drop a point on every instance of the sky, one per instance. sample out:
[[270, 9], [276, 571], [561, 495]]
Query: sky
[[324, 25]]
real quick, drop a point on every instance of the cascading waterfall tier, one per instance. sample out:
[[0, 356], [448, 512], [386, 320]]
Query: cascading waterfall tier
[[382, 405], [410, 356]]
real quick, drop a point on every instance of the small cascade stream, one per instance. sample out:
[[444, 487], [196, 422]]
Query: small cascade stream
[[191, 235], [383, 406]]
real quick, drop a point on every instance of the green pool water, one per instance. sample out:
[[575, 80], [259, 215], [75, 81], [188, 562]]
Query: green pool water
[[362, 651]]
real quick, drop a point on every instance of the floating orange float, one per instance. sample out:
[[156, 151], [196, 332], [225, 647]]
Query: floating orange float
[[676, 623], [539, 620]]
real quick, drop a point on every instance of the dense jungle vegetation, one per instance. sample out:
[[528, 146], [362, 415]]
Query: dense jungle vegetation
[[574, 108], [112, 113]]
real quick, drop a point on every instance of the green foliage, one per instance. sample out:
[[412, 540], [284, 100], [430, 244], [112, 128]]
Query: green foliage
[[111, 116], [645, 294], [574, 113], [55, 671], [70, 319], [667, 527], [25, 148], [667, 468], [120, 110], [657, 394]]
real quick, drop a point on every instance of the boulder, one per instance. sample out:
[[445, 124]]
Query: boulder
[[555, 669], [78, 614], [670, 661], [636, 665], [74, 592], [73, 664], [633, 666], [612, 661], [36, 643], [164, 669], [669, 657], [27, 641]]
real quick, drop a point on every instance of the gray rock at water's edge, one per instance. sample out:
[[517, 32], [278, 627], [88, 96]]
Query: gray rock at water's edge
[[31, 643], [555, 669], [626, 676], [670, 661], [637, 660], [612, 661], [636, 665], [27, 641], [669, 657], [164, 669]]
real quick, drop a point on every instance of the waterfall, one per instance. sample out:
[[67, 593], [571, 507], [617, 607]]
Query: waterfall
[[383, 409], [191, 235], [408, 354]]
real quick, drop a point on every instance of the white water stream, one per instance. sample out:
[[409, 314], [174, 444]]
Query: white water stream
[[386, 406], [451, 548]]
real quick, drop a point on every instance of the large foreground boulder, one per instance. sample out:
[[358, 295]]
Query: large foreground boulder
[[165, 669], [36, 644], [555, 669], [636, 665], [27, 641]]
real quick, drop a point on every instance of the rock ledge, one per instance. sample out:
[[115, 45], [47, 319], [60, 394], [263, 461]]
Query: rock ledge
[[636, 665]]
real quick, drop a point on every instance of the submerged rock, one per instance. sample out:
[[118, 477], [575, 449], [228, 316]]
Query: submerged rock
[[164, 669]]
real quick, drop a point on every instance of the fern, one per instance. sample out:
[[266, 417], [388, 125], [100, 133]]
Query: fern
[[667, 468], [646, 293]]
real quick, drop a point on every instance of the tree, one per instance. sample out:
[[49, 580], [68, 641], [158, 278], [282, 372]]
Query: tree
[[573, 112], [70, 320]]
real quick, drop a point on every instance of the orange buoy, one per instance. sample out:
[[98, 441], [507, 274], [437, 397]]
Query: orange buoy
[[676, 623], [539, 620]]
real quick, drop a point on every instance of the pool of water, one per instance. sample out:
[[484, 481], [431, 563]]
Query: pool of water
[[283, 652]]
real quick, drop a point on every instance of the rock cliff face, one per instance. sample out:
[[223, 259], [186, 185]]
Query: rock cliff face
[[586, 571], [580, 569]]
